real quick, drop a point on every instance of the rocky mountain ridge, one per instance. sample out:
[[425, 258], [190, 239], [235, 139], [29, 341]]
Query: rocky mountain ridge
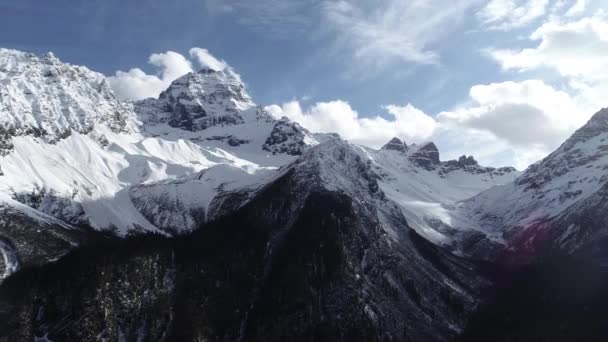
[[318, 253], [556, 203], [243, 226], [43, 97], [203, 119]]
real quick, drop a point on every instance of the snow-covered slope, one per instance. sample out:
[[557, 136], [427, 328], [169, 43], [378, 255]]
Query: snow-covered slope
[[319, 253], [213, 109], [426, 189], [72, 150], [529, 214], [43, 97]]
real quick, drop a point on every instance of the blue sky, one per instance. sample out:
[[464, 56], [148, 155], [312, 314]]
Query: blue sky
[[492, 78]]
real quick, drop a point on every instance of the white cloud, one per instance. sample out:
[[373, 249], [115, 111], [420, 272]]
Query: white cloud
[[579, 7], [574, 49], [374, 33], [206, 59], [484, 146], [380, 33], [530, 118], [135, 84], [509, 123], [510, 14], [407, 122]]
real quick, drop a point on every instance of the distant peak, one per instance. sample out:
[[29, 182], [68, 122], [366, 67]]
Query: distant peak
[[426, 156], [598, 124], [226, 73], [208, 71], [48, 99], [431, 147], [202, 99], [466, 161], [211, 85], [50, 55], [585, 149], [395, 144], [599, 120], [18, 60]]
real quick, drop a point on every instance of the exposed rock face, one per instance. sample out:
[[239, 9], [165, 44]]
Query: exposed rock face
[[174, 206], [470, 165], [426, 156], [50, 203], [200, 100], [581, 225], [395, 144], [30, 238], [216, 101], [43, 97], [288, 137], [467, 161]]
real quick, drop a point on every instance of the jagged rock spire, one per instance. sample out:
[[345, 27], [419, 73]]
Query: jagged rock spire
[[199, 100], [466, 161], [395, 144], [426, 156]]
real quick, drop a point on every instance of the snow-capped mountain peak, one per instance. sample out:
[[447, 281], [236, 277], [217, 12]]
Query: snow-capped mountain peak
[[534, 207], [199, 100], [587, 148], [204, 122], [72, 150], [214, 108], [426, 156], [43, 97], [211, 86], [395, 144], [426, 188]]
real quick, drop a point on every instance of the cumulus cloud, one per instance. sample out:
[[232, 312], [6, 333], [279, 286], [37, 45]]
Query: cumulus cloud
[[136, 84], [406, 122], [575, 49], [485, 147], [206, 59], [530, 118], [508, 123], [513, 123]]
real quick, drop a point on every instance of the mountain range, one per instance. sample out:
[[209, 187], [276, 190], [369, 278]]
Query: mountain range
[[198, 215]]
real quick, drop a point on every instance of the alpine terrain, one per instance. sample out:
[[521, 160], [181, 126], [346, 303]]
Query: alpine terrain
[[199, 216]]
